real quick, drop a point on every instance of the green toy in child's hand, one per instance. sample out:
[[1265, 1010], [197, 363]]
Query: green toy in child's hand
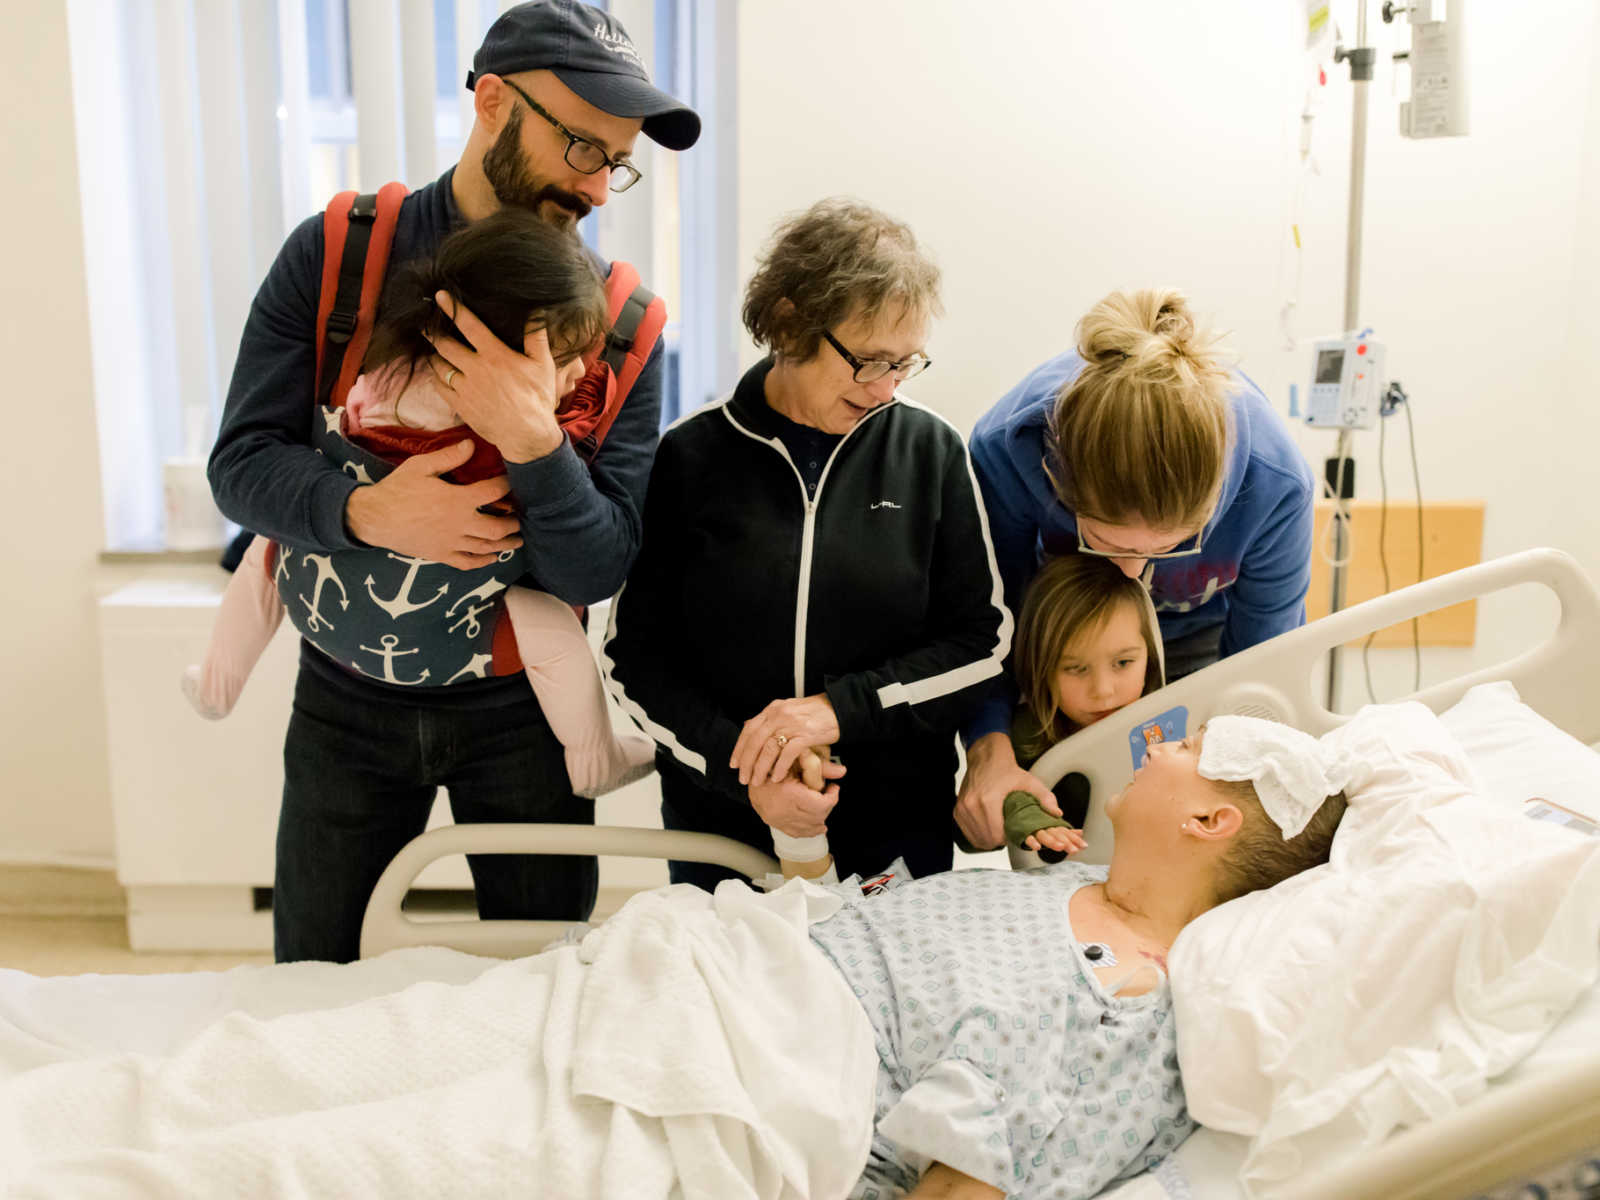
[[1023, 816]]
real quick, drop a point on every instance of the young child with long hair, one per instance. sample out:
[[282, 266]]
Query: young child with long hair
[[516, 274], [1087, 644]]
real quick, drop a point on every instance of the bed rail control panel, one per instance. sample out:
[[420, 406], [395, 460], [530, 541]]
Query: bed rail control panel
[[1540, 809], [1170, 726]]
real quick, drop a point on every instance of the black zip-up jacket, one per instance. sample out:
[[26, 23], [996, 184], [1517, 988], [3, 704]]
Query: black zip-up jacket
[[882, 592]]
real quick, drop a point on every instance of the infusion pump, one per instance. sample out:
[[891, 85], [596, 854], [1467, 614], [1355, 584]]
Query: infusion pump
[[1346, 383]]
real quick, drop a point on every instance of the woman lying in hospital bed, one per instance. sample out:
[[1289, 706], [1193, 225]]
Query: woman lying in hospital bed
[[982, 1033]]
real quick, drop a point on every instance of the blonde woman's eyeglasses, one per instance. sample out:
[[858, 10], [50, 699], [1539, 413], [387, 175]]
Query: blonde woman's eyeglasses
[[1181, 550]]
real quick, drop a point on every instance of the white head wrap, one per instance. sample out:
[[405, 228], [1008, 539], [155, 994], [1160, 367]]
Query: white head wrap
[[1293, 772]]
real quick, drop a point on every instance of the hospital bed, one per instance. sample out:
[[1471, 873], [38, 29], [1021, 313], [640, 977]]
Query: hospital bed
[[1535, 1116], [1546, 1109]]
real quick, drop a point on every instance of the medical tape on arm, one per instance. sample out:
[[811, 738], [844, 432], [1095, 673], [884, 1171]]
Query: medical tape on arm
[[799, 850]]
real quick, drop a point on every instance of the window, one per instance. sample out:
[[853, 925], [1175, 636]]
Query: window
[[696, 260], [194, 166]]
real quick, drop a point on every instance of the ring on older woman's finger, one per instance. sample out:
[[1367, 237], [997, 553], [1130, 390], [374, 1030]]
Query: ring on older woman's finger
[[449, 375], [782, 739]]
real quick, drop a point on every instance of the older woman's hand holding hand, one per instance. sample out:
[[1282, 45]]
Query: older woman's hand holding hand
[[790, 807], [771, 740]]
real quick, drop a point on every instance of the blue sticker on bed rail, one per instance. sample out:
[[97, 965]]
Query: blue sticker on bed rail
[[1170, 726]]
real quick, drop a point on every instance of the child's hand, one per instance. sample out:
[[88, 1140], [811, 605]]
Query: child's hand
[[1062, 838], [808, 767]]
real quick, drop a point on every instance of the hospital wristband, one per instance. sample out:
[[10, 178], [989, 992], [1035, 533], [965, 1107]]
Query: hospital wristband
[[799, 850]]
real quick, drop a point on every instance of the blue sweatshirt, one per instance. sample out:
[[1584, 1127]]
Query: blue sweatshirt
[[1254, 569]]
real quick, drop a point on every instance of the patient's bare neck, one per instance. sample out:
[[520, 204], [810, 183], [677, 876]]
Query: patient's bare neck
[[1156, 899]]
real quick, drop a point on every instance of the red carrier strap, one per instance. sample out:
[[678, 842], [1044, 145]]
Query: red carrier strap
[[357, 235], [638, 316]]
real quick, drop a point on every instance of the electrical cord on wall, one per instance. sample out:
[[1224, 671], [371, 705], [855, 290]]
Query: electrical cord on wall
[[1393, 399], [1383, 553], [1416, 479]]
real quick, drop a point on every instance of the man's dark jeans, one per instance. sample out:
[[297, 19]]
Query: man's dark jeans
[[359, 780]]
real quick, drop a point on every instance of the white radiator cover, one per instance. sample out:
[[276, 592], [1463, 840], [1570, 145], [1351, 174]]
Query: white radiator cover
[[195, 802]]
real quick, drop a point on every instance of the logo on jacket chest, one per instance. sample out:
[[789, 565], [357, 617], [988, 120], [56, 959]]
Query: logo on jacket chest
[[1184, 587]]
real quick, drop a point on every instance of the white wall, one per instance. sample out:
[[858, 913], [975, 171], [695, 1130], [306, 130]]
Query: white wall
[[1051, 151], [1581, 385], [53, 783]]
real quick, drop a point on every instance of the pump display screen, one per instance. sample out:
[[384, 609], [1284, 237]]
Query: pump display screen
[[1330, 364]]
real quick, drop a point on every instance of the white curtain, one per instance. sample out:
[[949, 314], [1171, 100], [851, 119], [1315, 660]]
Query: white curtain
[[207, 129], [199, 146]]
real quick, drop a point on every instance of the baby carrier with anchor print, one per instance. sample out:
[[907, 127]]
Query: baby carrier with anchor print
[[391, 617]]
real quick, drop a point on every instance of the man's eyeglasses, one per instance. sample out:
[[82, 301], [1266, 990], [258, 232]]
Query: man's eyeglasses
[[582, 154], [1181, 550], [870, 370]]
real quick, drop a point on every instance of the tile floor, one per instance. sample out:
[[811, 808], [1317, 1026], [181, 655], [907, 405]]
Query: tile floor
[[97, 943], [78, 945]]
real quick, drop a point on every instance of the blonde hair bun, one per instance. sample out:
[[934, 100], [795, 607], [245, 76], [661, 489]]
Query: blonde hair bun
[[1141, 330], [1142, 432]]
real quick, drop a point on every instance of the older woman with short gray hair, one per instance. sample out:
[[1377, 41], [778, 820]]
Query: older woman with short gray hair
[[815, 569]]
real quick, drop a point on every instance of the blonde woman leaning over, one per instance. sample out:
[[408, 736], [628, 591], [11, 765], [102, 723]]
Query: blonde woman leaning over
[[1141, 447]]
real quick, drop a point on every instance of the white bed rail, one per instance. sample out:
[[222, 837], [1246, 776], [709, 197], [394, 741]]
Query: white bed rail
[[386, 927], [1559, 678], [1502, 1137]]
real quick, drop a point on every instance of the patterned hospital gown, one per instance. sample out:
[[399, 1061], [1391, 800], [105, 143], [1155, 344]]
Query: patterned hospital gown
[[1000, 1053]]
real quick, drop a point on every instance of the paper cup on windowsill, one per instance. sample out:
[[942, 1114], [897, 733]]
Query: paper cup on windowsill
[[193, 522]]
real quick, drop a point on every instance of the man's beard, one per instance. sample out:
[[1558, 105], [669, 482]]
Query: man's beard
[[515, 186]]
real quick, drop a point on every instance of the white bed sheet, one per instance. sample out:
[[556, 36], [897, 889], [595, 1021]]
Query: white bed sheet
[[55, 1019]]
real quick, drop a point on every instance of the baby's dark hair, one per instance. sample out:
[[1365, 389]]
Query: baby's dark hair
[[513, 271]]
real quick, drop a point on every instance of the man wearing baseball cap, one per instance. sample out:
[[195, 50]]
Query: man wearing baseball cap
[[560, 97]]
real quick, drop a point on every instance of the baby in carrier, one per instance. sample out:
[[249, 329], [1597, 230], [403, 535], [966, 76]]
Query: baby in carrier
[[517, 274]]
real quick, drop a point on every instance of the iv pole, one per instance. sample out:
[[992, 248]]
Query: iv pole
[[1342, 480]]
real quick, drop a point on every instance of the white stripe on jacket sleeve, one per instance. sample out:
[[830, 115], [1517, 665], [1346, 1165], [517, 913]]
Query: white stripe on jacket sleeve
[[935, 686]]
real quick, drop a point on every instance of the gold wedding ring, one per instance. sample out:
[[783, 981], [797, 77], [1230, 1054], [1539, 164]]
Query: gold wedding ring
[[782, 739], [449, 375]]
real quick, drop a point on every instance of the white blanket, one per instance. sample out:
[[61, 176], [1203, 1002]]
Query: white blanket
[[690, 1046]]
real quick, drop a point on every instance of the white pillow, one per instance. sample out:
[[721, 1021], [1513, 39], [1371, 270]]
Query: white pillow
[[1442, 940], [1521, 756]]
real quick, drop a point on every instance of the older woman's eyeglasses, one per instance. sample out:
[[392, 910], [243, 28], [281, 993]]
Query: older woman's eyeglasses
[[870, 370], [582, 154]]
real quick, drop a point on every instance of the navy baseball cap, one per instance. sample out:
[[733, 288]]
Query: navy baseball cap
[[590, 52]]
